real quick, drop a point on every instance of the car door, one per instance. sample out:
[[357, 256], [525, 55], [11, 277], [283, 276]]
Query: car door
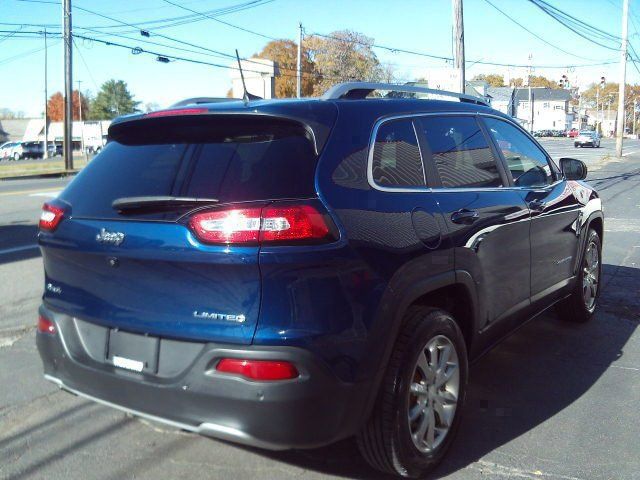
[[488, 224], [554, 204]]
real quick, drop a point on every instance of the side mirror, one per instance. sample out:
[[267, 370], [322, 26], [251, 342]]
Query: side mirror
[[573, 169]]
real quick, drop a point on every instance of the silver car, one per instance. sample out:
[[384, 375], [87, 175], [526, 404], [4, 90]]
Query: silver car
[[587, 137], [11, 151]]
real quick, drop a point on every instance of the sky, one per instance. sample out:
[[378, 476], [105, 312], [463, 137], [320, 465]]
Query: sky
[[416, 25]]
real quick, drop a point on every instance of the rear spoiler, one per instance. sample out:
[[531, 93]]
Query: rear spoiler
[[164, 127], [316, 122]]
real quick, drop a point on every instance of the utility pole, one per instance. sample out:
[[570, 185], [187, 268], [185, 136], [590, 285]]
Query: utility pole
[[598, 109], [46, 102], [84, 152], [530, 95], [68, 87], [299, 69], [458, 41], [623, 79], [635, 100]]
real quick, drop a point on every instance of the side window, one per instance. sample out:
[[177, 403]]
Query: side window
[[396, 156], [461, 153], [527, 163]]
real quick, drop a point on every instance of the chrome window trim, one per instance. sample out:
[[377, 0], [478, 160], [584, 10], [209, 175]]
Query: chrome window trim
[[415, 133], [372, 142], [426, 189]]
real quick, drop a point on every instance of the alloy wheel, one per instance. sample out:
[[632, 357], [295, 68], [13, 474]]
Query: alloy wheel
[[591, 275], [433, 393]]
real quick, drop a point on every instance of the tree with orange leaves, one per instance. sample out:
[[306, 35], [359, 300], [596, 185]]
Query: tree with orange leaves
[[56, 106]]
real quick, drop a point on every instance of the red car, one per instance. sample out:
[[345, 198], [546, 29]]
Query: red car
[[572, 133]]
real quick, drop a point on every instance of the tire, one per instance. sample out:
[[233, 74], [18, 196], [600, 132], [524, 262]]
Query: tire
[[16, 156], [576, 308], [386, 441]]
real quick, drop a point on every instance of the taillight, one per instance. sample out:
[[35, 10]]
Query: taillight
[[50, 217], [46, 326], [296, 222], [276, 223], [238, 225], [265, 370]]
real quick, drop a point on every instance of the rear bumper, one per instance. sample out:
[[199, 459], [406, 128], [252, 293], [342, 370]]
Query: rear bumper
[[313, 410]]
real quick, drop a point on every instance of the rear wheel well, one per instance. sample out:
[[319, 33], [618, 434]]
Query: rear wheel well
[[456, 300], [596, 224]]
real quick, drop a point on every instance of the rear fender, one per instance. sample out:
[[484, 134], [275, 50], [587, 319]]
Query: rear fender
[[401, 294]]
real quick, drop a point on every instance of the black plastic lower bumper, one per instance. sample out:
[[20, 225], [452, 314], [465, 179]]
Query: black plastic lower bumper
[[312, 410]]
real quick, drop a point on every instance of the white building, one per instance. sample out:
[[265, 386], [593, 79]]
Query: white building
[[605, 117], [551, 108], [92, 134], [259, 76]]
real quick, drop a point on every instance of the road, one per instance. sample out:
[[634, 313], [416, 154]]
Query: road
[[554, 401]]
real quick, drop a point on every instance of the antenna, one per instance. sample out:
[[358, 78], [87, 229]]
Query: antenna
[[246, 95]]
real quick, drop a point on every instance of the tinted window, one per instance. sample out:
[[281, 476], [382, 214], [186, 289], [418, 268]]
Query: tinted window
[[460, 152], [396, 156], [527, 163], [233, 168]]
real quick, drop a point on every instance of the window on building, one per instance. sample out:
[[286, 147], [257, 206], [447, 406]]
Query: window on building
[[460, 152], [396, 156]]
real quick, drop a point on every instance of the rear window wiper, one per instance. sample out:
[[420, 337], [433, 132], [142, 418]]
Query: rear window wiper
[[127, 204]]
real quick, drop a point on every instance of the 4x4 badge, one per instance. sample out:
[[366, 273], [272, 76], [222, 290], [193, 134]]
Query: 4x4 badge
[[114, 238]]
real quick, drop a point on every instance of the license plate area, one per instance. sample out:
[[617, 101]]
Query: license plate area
[[133, 352]]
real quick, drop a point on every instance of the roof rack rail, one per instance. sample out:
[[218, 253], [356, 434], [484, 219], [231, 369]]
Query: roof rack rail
[[200, 100], [360, 90]]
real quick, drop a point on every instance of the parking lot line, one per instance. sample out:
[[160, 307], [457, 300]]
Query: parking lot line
[[55, 193], [28, 192], [18, 249]]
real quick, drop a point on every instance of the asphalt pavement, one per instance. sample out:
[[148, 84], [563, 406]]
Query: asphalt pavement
[[553, 401]]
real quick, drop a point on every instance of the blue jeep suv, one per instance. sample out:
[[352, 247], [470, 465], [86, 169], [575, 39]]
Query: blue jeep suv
[[286, 274]]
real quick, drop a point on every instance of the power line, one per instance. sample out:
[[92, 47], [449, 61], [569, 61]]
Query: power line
[[188, 19], [578, 27], [535, 34], [138, 50], [84, 62], [220, 21], [173, 39], [481, 62], [151, 42], [383, 47], [4, 61]]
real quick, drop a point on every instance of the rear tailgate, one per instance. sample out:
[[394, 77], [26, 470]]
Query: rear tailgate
[[145, 271]]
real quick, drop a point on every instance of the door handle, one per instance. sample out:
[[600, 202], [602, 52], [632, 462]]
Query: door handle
[[465, 216], [537, 205]]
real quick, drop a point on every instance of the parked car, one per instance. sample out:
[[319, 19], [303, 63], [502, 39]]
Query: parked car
[[587, 138], [15, 151], [32, 150], [572, 133], [5, 150], [287, 274], [54, 150]]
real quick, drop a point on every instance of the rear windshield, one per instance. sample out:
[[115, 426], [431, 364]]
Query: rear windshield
[[230, 161]]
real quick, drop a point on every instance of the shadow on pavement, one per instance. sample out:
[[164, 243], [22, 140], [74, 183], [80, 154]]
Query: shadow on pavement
[[14, 239], [526, 380]]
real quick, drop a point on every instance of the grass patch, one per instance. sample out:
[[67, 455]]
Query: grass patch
[[41, 167]]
